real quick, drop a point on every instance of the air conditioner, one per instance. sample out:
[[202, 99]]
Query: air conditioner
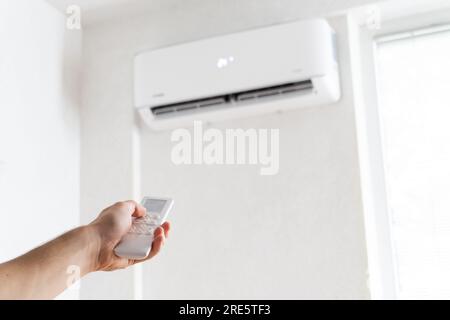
[[249, 73]]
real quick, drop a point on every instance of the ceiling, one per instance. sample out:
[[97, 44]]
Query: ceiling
[[95, 11], [88, 5], [399, 8]]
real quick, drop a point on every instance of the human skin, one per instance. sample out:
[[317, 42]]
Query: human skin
[[43, 272]]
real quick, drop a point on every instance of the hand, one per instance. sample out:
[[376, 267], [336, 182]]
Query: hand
[[111, 225]]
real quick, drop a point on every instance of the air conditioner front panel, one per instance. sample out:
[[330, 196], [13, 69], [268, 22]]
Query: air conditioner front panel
[[234, 63]]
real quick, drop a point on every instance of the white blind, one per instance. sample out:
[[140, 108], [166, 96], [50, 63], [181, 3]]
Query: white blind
[[414, 87]]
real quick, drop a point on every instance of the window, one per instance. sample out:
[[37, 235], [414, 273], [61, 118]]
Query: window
[[414, 91]]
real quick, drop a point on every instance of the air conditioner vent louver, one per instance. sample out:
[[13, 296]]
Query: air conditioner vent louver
[[301, 86], [188, 106], [234, 99]]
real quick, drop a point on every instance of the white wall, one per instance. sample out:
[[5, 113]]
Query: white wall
[[236, 234], [296, 235], [39, 125]]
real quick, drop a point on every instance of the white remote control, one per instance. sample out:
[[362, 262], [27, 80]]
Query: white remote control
[[137, 243]]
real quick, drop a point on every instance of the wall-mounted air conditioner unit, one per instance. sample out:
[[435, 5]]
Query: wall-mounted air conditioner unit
[[249, 73]]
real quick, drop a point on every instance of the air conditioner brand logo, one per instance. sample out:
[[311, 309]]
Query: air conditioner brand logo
[[224, 62]]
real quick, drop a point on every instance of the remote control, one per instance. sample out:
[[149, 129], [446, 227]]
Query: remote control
[[137, 243]]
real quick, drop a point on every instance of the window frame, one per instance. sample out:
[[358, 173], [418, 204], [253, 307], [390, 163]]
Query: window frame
[[383, 277]]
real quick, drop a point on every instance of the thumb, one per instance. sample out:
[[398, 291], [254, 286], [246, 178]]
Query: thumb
[[136, 210]]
